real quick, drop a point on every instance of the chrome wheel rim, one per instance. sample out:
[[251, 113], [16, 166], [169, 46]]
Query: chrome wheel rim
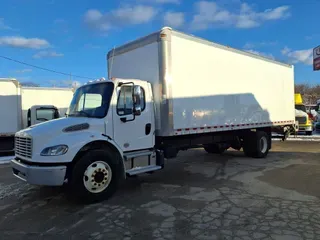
[[263, 144], [97, 177]]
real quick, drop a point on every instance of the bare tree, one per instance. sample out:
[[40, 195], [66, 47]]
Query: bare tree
[[309, 93], [30, 84]]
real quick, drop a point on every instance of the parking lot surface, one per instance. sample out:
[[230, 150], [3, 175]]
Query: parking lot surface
[[196, 196]]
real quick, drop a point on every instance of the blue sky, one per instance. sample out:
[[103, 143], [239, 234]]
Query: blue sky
[[74, 36]]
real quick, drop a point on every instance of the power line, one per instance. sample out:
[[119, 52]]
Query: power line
[[46, 69]]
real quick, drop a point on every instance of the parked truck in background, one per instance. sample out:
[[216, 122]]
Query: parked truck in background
[[22, 107], [166, 92], [301, 115]]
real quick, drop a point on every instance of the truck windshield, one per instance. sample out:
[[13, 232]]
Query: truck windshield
[[91, 100], [301, 107]]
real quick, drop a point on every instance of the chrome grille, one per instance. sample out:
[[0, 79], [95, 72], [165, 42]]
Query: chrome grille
[[23, 146], [302, 120]]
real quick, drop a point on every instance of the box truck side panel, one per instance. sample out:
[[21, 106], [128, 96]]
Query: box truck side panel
[[10, 107], [57, 97], [219, 87], [138, 61]]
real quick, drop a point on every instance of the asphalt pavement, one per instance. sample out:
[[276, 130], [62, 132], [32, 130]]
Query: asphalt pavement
[[196, 196]]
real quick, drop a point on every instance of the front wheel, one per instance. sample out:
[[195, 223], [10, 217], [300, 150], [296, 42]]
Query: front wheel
[[95, 177], [309, 133]]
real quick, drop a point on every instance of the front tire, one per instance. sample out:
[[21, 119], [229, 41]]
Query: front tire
[[95, 177], [309, 133]]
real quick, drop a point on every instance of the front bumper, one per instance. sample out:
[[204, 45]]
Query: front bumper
[[39, 175], [305, 128]]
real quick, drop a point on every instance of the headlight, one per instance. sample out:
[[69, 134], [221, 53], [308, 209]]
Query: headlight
[[55, 150]]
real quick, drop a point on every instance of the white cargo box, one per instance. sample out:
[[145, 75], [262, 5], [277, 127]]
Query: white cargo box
[[10, 105], [200, 86]]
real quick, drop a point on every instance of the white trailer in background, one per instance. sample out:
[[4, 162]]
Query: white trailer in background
[[10, 109], [52, 101], [22, 107], [166, 92]]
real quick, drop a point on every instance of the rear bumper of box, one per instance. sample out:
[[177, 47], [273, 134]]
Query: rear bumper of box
[[39, 175]]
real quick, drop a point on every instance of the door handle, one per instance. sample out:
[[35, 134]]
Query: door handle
[[148, 128]]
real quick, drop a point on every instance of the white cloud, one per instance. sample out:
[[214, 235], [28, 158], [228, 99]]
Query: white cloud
[[95, 19], [168, 1], [159, 1], [124, 15], [250, 45], [312, 36], [298, 56], [59, 21], [174, 19], [276, 13], [23, 70], [47, 54], [210, 14], [267, 55], [3, 26], [285, 50], [93, 15], [89, 45], [22, 42], [135, 15]]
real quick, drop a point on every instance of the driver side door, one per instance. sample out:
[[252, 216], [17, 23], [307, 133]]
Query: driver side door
[[133, 132]]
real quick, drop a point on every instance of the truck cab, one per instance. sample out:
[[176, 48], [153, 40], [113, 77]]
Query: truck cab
[[41, 113], [301, 115], [109, 133]]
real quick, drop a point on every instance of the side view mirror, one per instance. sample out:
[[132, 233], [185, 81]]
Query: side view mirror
[[137, 93]]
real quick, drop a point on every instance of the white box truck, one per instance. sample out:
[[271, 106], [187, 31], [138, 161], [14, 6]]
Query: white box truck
[[44, 103], [23, 106], [166, 92]]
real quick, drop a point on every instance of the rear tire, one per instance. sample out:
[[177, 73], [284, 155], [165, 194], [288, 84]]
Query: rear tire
[[95, 177], [170, 152], [257, 144], [248, 143], [214, 148]]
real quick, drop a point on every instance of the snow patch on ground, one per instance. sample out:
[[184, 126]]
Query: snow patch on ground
[[315, 137], [6, 159]]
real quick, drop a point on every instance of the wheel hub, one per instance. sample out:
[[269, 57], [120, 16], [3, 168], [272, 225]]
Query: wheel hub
[[97, 176], [263, 144]]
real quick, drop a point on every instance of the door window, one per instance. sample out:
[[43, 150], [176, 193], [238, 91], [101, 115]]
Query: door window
[[125, 101]]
